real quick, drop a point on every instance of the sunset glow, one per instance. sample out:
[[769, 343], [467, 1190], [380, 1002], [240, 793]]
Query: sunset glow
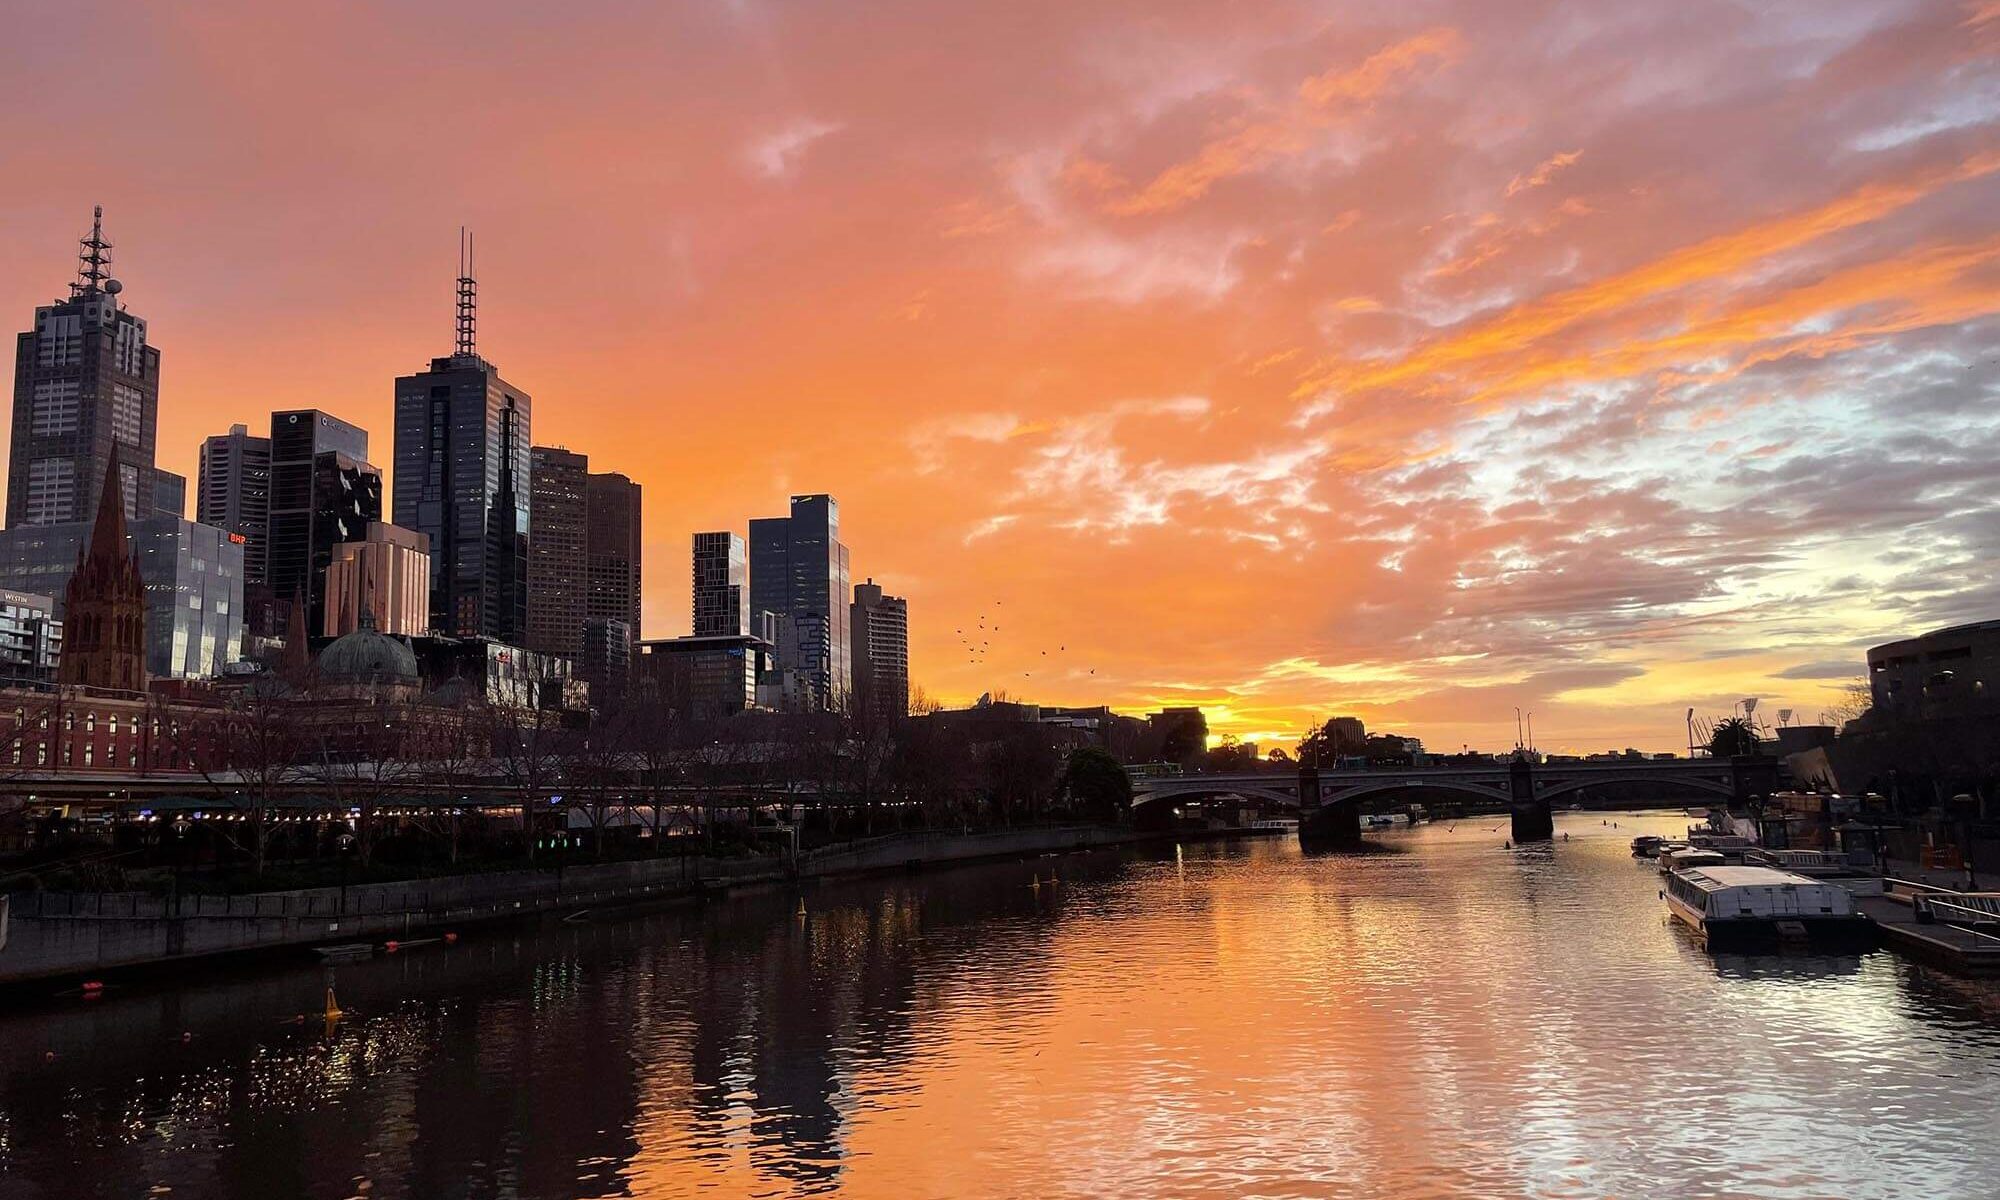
[[1416, 361]]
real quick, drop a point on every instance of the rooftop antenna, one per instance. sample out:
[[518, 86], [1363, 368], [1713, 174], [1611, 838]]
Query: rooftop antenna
[[468, 297], [94, 256]]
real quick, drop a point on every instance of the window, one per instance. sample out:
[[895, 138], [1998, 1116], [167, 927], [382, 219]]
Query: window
[[89, 752], [90, 721], [53, 407]]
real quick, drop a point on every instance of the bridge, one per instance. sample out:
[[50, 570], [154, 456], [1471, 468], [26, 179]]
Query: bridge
[[1329, 802]]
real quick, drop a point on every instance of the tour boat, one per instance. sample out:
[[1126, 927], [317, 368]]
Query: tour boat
[[1760, 908], [1689, 856], [1855, 873], [1647, 845]]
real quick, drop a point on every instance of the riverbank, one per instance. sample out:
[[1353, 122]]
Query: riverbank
[[50, 937]]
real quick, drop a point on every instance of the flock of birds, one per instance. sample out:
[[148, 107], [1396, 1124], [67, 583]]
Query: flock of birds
[[977, 642]]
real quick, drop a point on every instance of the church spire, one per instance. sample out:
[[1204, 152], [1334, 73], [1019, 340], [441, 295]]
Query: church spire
[[104, 604]]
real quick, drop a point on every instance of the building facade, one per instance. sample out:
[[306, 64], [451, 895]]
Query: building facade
[[704, 678], [721, 585], [1943, 675], [879, 630], [193, 575], [612, 550], [232, 491], [557, 570], [30, 639], [386, 574], [461, 477], [86, 393], [798, 570], [324, 492]]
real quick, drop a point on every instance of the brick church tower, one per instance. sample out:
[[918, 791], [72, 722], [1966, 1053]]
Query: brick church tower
[[104, 606]]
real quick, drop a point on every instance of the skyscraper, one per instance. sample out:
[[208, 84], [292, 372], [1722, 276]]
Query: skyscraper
[[324, 491], [461, 478], [557, 564], [798, 570], [612, 554], [387, 575], [233, 492], [583, 551], [880, 628], [721, 585], [86, 391]]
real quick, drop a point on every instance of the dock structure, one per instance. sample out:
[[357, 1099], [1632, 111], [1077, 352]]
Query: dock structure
[[1953, 947]]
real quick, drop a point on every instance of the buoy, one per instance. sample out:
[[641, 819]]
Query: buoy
[[450, 939], [333, 1012], [389, 947], [802, 907], [186, 1036], [93, 985], [48, 1056]]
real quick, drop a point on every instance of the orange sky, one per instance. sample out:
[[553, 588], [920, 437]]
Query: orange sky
[[1414, 360]]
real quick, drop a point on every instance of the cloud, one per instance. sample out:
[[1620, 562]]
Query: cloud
[[1838, 668], [778, 154], [1543, 172]]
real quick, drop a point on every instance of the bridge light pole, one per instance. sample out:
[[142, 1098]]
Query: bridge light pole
[[1518, 744]]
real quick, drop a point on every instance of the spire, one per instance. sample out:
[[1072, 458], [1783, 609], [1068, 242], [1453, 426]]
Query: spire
[[109, 531], [93, 256], [468, 298]]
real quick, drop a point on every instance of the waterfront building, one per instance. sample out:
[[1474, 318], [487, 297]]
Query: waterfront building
[[705, 678], [193, 575], [233, 492], [1945, 674], [798, 570], [722, 586], [86, 394], [558, 508], [461, 475], [484, 671], [30, 639], [324, 492], [879, 629], [104, 605], [386, 575]]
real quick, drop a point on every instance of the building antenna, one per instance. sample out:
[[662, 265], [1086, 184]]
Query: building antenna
[[468, 298], [94, 256]]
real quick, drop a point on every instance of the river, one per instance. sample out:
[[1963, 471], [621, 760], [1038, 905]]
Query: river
[[1442, 1018]]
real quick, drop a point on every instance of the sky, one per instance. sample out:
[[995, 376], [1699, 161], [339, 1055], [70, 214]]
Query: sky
[[1416, 361]]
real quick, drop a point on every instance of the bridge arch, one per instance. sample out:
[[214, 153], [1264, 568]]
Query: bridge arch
[[1485, 791], [1204, 791], [1712, 786]]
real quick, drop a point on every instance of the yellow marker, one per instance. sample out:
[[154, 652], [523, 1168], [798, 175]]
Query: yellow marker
[[333, 1012]]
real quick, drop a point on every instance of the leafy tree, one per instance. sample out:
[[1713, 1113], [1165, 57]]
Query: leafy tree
[[1097, 787], [1733, 737]]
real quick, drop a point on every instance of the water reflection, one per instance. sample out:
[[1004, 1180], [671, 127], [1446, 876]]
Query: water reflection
[[1449, 1018]]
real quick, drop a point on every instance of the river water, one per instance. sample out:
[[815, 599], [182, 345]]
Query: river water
[[1442, 1018]]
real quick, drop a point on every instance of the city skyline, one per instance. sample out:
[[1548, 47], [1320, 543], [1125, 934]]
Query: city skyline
[[1277, 411]]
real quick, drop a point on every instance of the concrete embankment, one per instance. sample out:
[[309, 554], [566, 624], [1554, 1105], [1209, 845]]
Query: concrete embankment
[[45, 935]]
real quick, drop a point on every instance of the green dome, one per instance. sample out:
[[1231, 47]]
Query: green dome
[[367, 656]]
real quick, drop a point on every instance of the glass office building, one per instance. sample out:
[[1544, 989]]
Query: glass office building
[[194, 585], [798, 570]]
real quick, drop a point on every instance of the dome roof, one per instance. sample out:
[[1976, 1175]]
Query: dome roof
[[367, 656]]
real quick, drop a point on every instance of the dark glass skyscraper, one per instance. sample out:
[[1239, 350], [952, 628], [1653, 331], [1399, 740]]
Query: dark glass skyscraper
[[798, 570], [324, 491], [721, 585], [86, 389], [461, 475]]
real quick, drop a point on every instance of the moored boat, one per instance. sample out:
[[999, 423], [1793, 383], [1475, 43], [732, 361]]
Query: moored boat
[[1689, 856], [1761, 908]]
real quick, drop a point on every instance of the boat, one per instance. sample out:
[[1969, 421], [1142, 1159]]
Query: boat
[[1731, 846], [1689, 856], [1855, 872], [1762, 908], [1646, 845]]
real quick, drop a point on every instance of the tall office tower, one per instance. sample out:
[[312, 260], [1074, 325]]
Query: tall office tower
[[721, 585], [461, 478], [86, 391], [880, 629], [798, 569], [557, 564], [612, 552], [232, 491], [324, 491]]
